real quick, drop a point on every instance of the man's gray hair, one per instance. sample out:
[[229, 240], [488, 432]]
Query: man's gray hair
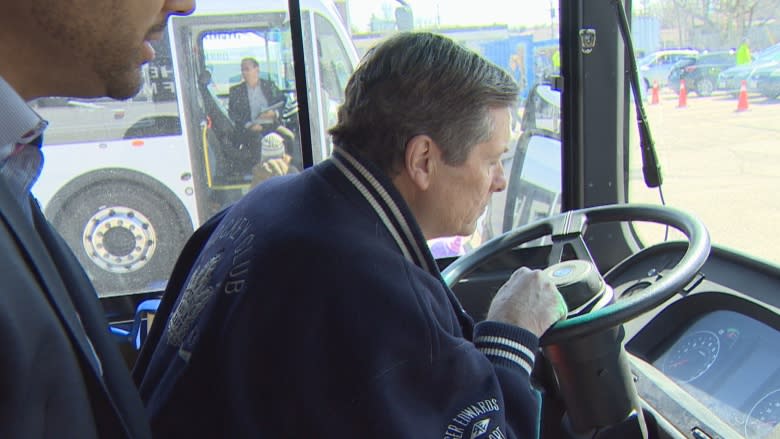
[[420, 83]]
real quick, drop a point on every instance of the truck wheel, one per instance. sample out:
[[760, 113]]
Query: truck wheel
[[126, 236]]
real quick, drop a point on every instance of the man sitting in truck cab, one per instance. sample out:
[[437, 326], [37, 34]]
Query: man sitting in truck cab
[[248, 106]]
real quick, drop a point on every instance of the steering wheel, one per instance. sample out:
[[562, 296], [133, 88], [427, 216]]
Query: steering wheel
[[568, 229]]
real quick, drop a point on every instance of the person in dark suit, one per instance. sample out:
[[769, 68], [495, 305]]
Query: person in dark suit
[[61, 373], [246, 104]]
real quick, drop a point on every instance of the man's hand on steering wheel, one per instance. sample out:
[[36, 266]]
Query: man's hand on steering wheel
[[528, 300]]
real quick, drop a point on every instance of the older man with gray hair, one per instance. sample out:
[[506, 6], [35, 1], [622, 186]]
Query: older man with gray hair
[[316, 309]]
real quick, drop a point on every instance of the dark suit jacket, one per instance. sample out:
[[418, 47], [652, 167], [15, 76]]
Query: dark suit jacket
[[240, 113], [52, 330]]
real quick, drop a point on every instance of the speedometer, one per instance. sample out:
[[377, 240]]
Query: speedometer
[[764, 417], [692, 356]]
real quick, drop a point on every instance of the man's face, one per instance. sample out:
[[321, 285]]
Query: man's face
[[97, 47], [462, 192], [250, 72]]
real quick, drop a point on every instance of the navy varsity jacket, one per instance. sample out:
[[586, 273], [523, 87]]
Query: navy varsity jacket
[[316, 310]]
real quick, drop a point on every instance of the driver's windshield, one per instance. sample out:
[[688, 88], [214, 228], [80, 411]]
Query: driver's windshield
[[717, 141]]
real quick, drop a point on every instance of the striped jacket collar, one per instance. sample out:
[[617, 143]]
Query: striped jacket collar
[[388, 204], [394, 213]]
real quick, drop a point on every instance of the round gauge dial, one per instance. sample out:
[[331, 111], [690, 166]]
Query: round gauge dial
[[764, 417], [692, 356]]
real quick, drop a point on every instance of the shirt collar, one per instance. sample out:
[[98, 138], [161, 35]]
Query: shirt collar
[[18, 122]]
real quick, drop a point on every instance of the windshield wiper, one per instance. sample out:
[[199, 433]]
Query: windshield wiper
[[651, 169]]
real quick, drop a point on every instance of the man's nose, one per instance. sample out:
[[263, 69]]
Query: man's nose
[[180, 7], [499, 179]]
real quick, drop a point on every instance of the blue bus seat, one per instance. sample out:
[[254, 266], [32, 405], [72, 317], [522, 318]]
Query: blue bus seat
[[136, 334]]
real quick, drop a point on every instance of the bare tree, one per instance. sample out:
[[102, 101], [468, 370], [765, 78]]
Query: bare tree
[[716, 24]]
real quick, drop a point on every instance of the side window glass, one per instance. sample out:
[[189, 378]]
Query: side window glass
[[334, 62], [536, 192], [243, 88], [334, 68], [115, 182], [533, 165], [153, 168]]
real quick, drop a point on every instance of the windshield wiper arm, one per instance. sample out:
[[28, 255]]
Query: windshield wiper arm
[[651, 169]]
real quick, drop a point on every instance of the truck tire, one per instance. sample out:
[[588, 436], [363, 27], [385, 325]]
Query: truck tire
[[126, 235]]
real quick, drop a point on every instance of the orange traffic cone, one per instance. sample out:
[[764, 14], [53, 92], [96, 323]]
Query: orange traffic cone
[[654, 100], [682, 101], [742, 105]]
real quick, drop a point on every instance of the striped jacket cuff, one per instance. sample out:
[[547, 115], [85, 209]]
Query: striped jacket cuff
[[506, 344]]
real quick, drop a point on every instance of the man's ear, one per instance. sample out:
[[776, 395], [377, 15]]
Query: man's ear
[[420, 160]]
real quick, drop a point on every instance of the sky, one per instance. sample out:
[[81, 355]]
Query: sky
[[456, 12]]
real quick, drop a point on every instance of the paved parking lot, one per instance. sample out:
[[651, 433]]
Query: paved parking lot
[[721, 165]]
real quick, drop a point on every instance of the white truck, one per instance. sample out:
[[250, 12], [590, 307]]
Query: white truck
[[127, 182]]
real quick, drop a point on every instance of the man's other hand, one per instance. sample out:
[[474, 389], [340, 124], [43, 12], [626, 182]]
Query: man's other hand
[[267, 118], [270, 168], [528, 300]]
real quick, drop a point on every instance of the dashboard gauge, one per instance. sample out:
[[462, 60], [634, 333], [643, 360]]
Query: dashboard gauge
[[730, 336], [764, 417], [692, 356]]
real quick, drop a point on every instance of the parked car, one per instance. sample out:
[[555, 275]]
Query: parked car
[[701, 73], [731, 78], [656, 66], [766, 80]]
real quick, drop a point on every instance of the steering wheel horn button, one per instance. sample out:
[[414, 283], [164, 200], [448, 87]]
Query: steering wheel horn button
[[580, 284], [562, 272]]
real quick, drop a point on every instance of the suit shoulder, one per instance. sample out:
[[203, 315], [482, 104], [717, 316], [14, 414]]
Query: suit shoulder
[[235, 88], [268, 84]]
